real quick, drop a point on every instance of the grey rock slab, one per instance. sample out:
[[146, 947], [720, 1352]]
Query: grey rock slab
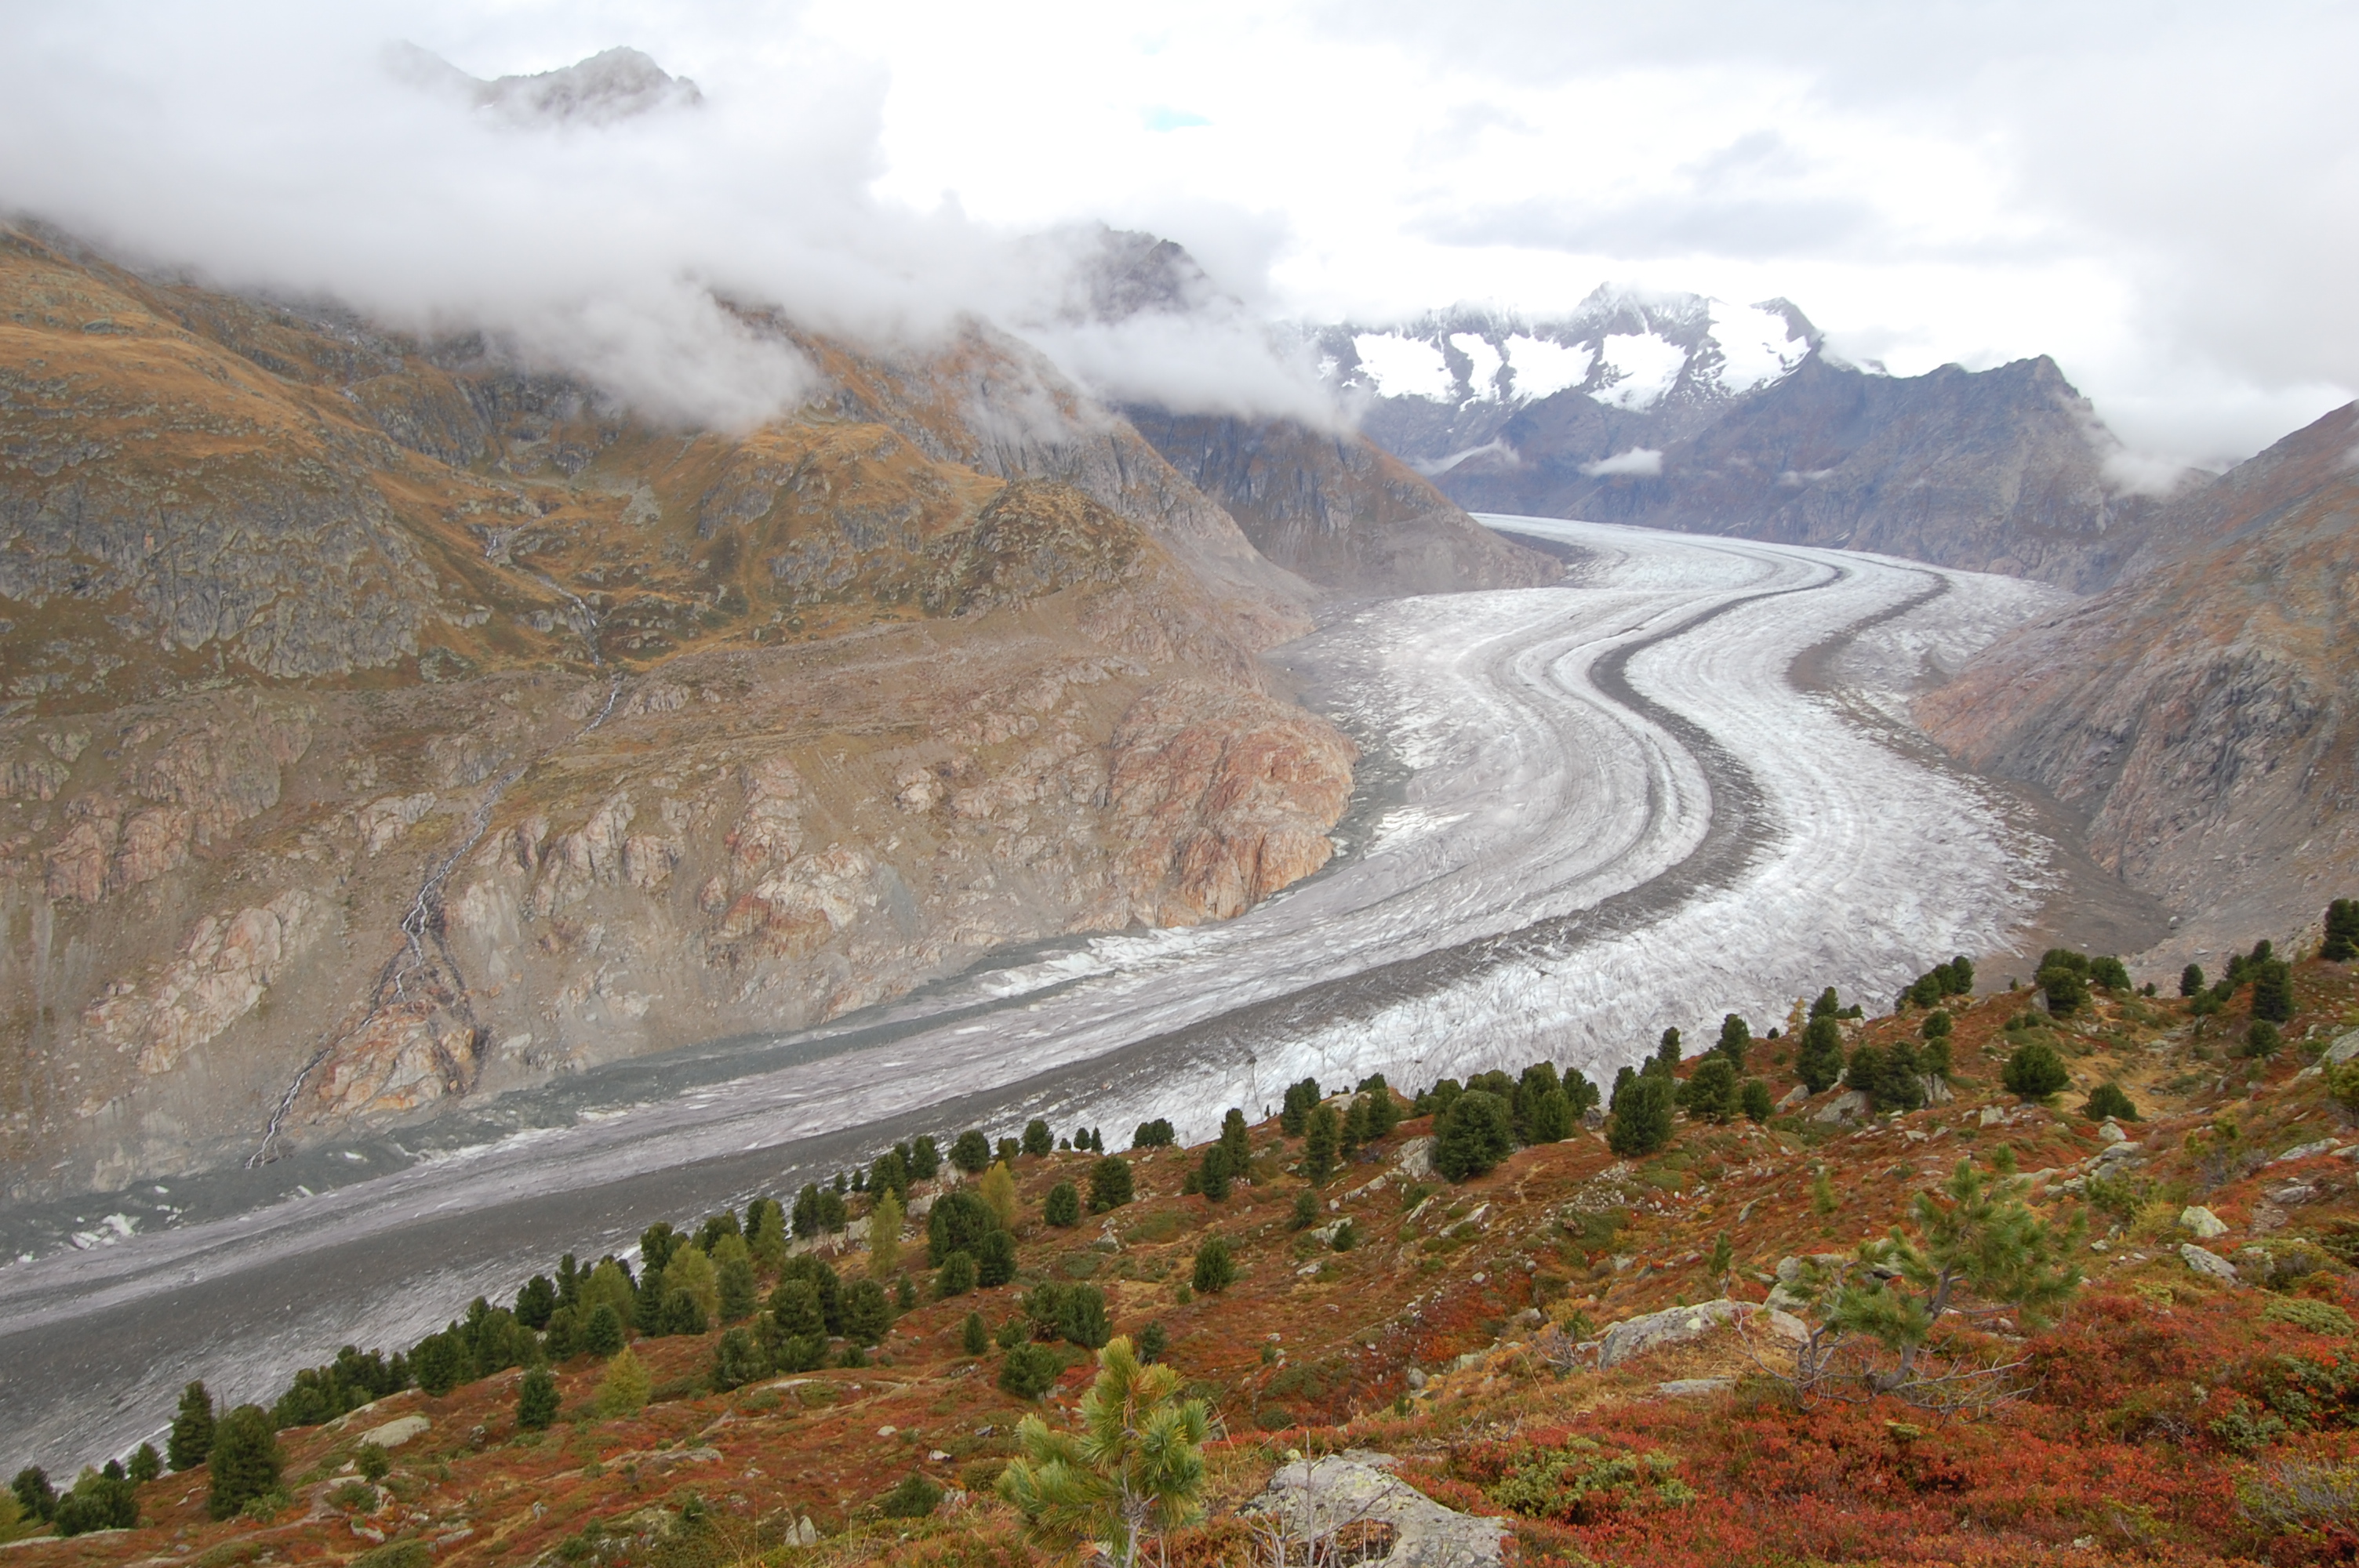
[[2202, 1222], [1637, 1335], [2208, 1265], [1355, 1495]]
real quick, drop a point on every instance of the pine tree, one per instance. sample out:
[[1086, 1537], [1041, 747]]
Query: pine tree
[[1322, 1132], [34, 1494], [1306, 1209], [795, 1310], [1666, 1060], [956, 1224], [535, 1301], [1736, 1039], [1472, 1136], [1135, 1470], [923, 1160], [1829, 1005], [192, 1429], [2035, 1071], [973, 1338], [2273, 990], [1296, 1107], [2191, 981], [2341, 931], [145, 1463], [884, 1220], [244, 1462], [2108, 1100], [1037, 1139], [866, 1312], [1642, 1123], [601, 1335], [1754, 1099], [971, 1151], [1156, 1134], [995, 1259], [738, 1359], [735, 1279], [1212, 1174], [1820, 1058], [1062, 1207], [535, 1401], [1110, 1183], [1551, 1119], [1383, 1111], [1235, 1141], [1214, 1271]]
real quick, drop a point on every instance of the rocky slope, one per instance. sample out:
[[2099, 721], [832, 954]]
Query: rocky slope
[[388, 723], [1683, 413], [2198, 711], [1579, 1357]]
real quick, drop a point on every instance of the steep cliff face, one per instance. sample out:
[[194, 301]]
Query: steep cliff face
[[1684, 413], [387, 724], [2201, 711]]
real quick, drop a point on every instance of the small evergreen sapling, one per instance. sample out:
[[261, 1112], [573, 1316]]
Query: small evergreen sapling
[[1818, 1061], [1062, 1207], [954, 1275], [1321, 1134], [1753, 1098], [2035, 1071], [973, 1338], [2108, 1100], [145, 1463], [1214, 1271]]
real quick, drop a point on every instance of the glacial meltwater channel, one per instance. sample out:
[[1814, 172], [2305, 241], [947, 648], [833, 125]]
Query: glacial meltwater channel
[[1679, 785]]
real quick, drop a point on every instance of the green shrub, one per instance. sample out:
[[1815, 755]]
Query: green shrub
[[2035, 1071], [1029, 1370], [2262, 1040], [915, 1497], [1062, 1206], [2108, 1100], [2316, 1317]]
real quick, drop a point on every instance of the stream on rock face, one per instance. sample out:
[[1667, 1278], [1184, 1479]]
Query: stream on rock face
[[1678, 785]]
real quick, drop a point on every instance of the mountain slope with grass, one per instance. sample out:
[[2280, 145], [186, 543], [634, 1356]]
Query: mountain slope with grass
[[2113, 1323]]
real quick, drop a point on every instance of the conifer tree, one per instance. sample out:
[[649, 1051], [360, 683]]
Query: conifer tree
[[1296, 1106], [1829, 1005], [1579, 1092], [244, 1462], [1384, 1112], [735, 1281], [2191, 981], [1818, 1061], [738, 1359], [1037, 1139], [1754, 1099], [1551, 1119], [624, 1389], [535, 1401], [884, 1221], [998, 1190], [995, 1259], [1306, 1209], [1212, 1174], [973, 1337], [1110, 1183], [145, 1463], [1156, 1134], [1642, 1121], [1709, 1092], [2342, 932], [192, 1429], [535, 1301], [1472, 1136], [690, 1273], [1236, 1142], [923, 1160], [2035, 1071], [1215, 1270], [1062, 1207], [2273, 990], [1736, 1040], [866, 1312], [602, 1335], [1322, 1133], [1135, 1470], [794, 1308], [971, 1151]]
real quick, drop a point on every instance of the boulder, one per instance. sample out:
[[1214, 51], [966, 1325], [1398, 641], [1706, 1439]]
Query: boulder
[[1794, 1097], [1350, 1507], [2208, 1265], [396, 1433], [1636, 1337], [2202, 1222], [1414, 1158], [1845, 1105], [2306, 1151]]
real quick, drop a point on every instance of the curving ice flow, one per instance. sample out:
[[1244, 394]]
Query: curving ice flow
[[1679, 785]]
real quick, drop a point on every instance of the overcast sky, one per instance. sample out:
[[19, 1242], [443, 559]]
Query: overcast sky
[[2164, 197]]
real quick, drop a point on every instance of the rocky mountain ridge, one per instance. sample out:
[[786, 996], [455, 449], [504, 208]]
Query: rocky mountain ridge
[[1677, 412], [389, 722], [2199, 713]]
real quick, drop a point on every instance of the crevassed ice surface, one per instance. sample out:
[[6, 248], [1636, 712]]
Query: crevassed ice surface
[[1618, 813]]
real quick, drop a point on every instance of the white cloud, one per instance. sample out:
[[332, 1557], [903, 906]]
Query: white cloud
[[1972, 183], [1638, 463]]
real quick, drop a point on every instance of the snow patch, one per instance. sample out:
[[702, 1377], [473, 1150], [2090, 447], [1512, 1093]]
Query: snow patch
[[1640, 367], [1756, 346], [1644, 463], [1543, 369], [1405, 367]]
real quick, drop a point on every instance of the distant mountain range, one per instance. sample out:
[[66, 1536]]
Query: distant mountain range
[[1677, 411]]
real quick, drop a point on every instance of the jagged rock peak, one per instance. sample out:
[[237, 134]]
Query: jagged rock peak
[[614, 84]]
